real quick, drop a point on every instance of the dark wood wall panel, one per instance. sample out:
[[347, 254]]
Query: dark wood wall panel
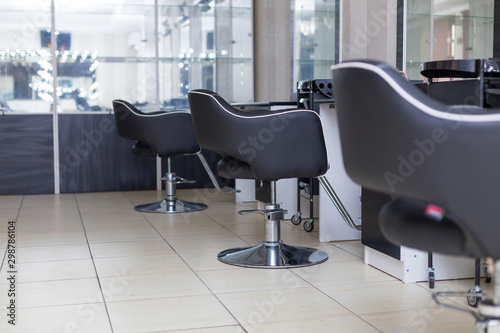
[[93, 158], [26, 154]]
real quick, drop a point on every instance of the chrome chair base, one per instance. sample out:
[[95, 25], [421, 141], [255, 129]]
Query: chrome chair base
[[171, 207], [269, 255]]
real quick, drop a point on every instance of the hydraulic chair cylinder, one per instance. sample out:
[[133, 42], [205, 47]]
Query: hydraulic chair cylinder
[[170, 186], [273, 216], [170, 204]]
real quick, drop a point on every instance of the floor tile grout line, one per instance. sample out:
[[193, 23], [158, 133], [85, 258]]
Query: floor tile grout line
[[239, 236], [202, 212], [57, 305], [342, 249], [56, 280], [152, 225], [7, 244], [194, 272], [333, 299], [215, 295], [448, 298], [347, 249], [95, 268], [191, 329]]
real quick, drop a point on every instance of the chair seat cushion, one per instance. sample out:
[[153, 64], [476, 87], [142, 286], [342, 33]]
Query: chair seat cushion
[[141, 149], [405, 223], [232, 168]]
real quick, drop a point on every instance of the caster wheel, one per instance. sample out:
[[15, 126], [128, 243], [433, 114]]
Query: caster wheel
[[296, 219], [432, 279], [309, 225], [474, 300]]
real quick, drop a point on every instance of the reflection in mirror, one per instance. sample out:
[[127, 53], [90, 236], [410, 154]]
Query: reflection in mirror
[[201, 44], [29, 77], [205, 44], [447, 29]]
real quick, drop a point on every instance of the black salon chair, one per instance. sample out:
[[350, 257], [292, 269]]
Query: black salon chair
[[267, 146], [163, 134], [439, 163], [4, 106]]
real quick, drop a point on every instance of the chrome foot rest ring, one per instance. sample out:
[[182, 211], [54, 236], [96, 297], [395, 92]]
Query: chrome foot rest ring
[[251, 211], [227, 189]]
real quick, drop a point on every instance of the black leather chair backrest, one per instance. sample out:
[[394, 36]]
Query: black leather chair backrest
[[275, 144], [399, 141], [165, 133]]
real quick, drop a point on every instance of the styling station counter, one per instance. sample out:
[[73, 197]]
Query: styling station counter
[[408, 265], [332, 226]]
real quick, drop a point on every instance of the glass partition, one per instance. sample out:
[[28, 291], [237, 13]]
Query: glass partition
[[108, 50], [186, 51], [205, 45], [25, 61], [418, 33], [316, 38], [234, 50], [111, 54], [447, 29]]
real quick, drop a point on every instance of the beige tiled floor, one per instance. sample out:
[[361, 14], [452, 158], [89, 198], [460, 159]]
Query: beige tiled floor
[[89, 263]]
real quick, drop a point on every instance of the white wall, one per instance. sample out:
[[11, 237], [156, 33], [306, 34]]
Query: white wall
[[369, 30], [272, 51]]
